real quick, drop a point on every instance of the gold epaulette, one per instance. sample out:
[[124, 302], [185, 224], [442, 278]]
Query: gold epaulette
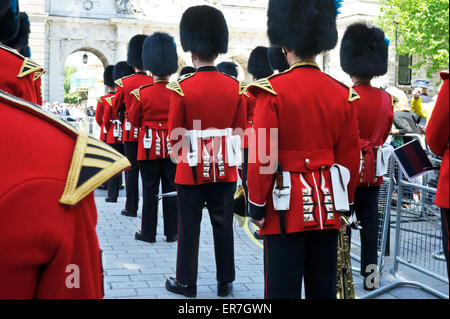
[[119, 82], [353, 96], [263, 84], [28, 65], [136, 94], [93, 163], [243, 89], [99, 100], [109, 100], [175, 85]]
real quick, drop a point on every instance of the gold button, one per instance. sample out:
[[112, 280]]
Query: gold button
[[323, 167], [307, 161]]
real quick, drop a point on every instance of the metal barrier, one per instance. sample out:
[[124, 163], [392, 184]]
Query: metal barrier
[[89, 126], [417, 223]]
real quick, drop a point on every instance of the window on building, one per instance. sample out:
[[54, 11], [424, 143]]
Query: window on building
[[404, 70]]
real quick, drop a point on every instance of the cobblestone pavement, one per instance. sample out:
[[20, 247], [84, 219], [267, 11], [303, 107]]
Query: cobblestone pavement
[[137, 270]]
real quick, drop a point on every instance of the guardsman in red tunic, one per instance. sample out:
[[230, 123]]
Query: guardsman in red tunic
[[259, 67], [305, 121], [205, 109], [100, 111], [48, 240], [113, 124], [150, 112], [437, 134], [22, 77], [122, 104], [364, 55]]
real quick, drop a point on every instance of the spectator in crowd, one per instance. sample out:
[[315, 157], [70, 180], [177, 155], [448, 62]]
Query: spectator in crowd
[[422, 104], [90, 111], [404, 120]]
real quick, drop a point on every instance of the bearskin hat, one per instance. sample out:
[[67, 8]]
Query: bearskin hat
[[108, 79], [21, 38], [187, 70], [306, 26], [9, 17], [258, 63], [228, 68], [204, 31], [277, 59], [364, 51], [135, 51], [121, 70], [159, 54]]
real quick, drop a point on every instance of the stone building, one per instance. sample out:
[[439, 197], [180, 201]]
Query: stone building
[[103, 27]]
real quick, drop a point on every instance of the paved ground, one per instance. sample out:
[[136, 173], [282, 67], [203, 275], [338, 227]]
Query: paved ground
[[136, 269]]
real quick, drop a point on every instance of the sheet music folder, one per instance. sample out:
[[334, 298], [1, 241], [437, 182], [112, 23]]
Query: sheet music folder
[[413, 160]]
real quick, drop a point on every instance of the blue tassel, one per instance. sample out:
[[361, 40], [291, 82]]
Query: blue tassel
[[387, 41]]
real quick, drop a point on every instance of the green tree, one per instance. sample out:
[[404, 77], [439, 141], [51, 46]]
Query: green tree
[[70, 98], [423, 27]]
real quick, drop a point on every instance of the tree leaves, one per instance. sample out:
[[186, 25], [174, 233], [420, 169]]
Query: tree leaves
[[423, 29]]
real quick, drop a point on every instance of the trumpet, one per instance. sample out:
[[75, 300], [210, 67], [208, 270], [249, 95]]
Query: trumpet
[[345, 286]]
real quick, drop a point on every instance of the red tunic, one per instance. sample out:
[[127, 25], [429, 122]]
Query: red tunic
[[112, 124], [437, 134], [123, 96], [150, 112], [368, 109], [305, 120], [20, 76], [250, 102], [205, 100], [99, 115], [47, 211]]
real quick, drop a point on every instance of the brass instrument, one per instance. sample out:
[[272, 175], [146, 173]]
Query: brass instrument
[[345, 286]]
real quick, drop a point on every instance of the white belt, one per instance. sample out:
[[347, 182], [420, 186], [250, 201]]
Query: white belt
[[233, 144]]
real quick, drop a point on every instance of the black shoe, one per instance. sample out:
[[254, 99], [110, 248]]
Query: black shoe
[[257, 236], [172, 239], [141, 237], [110, 200], [122, 187], [223, 290], [127, 213], [174, 286]]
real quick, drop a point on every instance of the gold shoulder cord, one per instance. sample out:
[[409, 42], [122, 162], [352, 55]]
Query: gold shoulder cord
[[353, 96], [137, 94], [263, 84], [93, 163]]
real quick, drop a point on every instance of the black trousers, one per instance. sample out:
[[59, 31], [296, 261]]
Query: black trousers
[[311, 256], [219, 201], [366, 209], [115, 182], [445, 216], [153, 172], [244, 176], [132, 177]]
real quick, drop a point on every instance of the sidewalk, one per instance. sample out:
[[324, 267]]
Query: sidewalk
[[137, 270]]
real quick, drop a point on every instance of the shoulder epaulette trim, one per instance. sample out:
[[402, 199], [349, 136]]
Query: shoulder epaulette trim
[[99, 100], [28, 67], [119, 82], [93, 163], [109, 100], [136, 94], [263, 84], [186, 76], [243, 89], [353, 96]]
